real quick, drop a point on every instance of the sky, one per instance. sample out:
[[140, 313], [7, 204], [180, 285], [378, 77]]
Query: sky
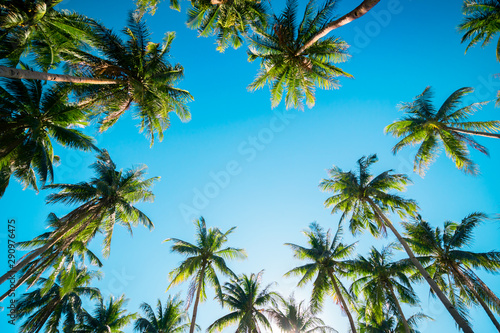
[[239, 162]]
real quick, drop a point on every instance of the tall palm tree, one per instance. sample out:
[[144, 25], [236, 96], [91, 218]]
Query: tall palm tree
[[31, 114], [132, 72], [424, 125], [247, 300], [282, 67], [293, 317], [46, 306], [54, 259], [110, 317], [326, 260], [38, 28], [384, 282], [443, 251], [229, 20], [481, 22], [204, 259], [169, 318], [107, 199], [366, 198]]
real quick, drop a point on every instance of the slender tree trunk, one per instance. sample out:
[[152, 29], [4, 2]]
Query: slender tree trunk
[[197, 300], [405, 322], [17, 73], [442, 297], [472, 289], [72, 222], [487, 290], [485, 134], [344, 304], [356, 13]]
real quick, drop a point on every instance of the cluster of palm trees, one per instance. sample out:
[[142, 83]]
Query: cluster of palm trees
[[106, 75]]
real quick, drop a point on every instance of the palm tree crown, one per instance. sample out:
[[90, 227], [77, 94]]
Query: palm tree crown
[[247, 300], [481, 22], [30, 115], [277, 45], [293, 317], [204, 259], [424, 125], [169, 318], [325, 256]]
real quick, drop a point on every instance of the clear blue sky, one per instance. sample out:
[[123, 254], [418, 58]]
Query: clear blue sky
[[277, 157]]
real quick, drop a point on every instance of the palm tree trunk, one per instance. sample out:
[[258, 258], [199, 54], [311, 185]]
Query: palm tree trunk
[[17, 73], [485, 134], [487, 290], [73, 219], [344, 305], [405, 322], [461, 322], [356, 13], [197, 300], [472, 289]]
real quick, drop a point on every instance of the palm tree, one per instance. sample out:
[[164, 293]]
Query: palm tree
[[31, 114], [55, 259], [389, 324], [107, 318], [447, 260], [37, 27], [134, 72], [283, 67], [229, 20], [107, 199], [170, 318], [247, 300], [325, 258], [204, 259], [384, 282], [366, 197], [423, 124], [481, 22], [47, 305], [293, 317]]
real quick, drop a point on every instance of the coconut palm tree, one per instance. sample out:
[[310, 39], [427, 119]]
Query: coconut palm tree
[[424, 125], [169, 318], [31, 115], [107, 318], [326, 263], [389, 324], [293, 317], [229, 20], [481, 22], [247, 300], [46, 306], [204, 259], [54, 259], [107, 199], [383, 283], [366, 198], [132, 72], [283, 67], [38, 28], [451, 265]]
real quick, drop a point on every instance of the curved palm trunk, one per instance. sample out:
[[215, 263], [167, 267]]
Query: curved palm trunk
[[472, 289], [442, 297], [487, 290], [405, 322], [356, 13], [344, 305], [485, 134], [74, 217], [17, 73], [197, 300]]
